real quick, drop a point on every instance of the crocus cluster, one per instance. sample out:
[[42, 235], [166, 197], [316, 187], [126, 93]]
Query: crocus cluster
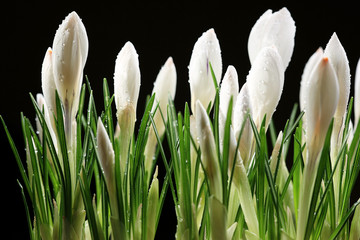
[[223, 183]]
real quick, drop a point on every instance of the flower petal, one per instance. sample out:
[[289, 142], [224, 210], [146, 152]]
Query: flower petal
[[265, 84], [70, 49], [206, 49], [338, 59], [229, 88], [127, 78], [309, 67], [277, 29], [321, 96]]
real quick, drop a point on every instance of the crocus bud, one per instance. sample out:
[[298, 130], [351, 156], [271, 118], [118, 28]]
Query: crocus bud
[[357, 94], [164, 88], [242, 109], [338, 59], [208, 154], [276, 29], [126, 89], [321, 97], [107, 163], [106, 152], [265, 84], [321, 94], [310, 65], [70, 50], [206, 49], [127, 79], [229, 88], [47, 81]]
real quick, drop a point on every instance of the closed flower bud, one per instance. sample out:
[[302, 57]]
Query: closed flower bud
[[229, 88], [127, 79], [47, 81], [164, 88], [70, 50], [126, 89], [265, 84], [242, 108], [310, 65], [276, 29], [107, 164], [338, 59], [321, 96], [106, 154], [208, 154], [206, 49]]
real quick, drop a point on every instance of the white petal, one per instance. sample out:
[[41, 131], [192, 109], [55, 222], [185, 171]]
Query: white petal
[[106, 152], [321, 95], [208, 154], [309, 67], [338, 59], [47, 81], [277, 29], [241, 110], [229, 88], [164, 87], [70, 49], [265, 84], [127, 77], [357, 94], [206, 49]]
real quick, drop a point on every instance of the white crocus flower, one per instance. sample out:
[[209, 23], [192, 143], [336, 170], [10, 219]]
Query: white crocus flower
[[357, 95], [338, 59], [126, 89], [127, 79], [321, 94], [164, 88], [107, 164], [310, 65], [265, 84], [229, 88], [47, 81], [106, 160], [206, 49], [242, 110], [208, 154], [276, 29], [70, 50]]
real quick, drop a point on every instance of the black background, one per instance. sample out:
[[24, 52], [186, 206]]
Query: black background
[[157, 30]]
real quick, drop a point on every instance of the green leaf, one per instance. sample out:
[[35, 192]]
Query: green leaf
[[17, 158]]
